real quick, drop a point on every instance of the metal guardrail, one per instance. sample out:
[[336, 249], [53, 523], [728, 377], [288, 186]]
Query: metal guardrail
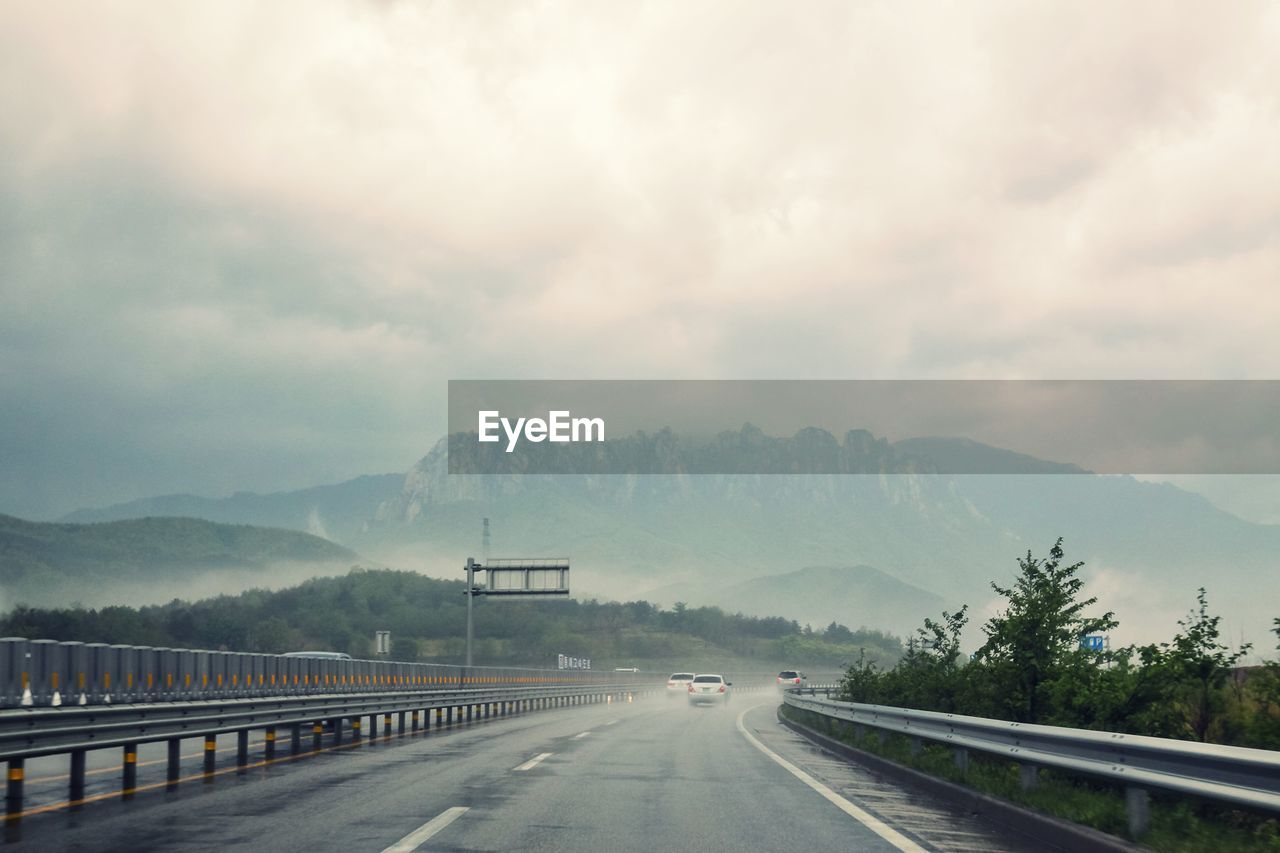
[[48, 673], [1236, 775], [29, 733], [69, 698]]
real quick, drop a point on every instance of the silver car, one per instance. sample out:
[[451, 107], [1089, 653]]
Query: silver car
[[707, 689], [678, 684], [789, 678]]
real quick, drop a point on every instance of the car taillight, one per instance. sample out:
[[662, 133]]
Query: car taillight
[[690, 686], [721, 688], [671, 684]]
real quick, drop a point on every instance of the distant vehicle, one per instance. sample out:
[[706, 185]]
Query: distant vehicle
[[678, 684], [789, 678], [626, 669], [706, 689], [320, 655]]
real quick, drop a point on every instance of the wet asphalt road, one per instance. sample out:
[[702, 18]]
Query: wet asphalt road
[[650, 776]]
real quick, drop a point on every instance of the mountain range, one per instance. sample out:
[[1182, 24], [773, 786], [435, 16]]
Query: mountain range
[[936, 534], [148, 560]]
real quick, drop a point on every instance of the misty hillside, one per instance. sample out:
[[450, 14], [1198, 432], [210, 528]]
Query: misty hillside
[[854, 595], [149, 558], [336, 512], [1148, 546], [427, 621], [907, 508]]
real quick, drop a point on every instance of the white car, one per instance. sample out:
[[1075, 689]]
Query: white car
[[789, 678], [706, 689], [678, 684]]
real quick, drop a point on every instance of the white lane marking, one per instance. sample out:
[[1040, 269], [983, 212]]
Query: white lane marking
[[533, 762], [871, 822], [611, 722], [580, 737], [418, 837]]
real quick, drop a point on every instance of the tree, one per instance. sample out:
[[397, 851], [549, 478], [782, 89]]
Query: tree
[[1197, 665], [1038, 635], [861, 681], [928, 677], [837, 633]]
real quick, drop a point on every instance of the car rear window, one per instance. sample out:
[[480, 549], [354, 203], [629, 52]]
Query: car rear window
[[788, 674], [681, 676], [708, 679]]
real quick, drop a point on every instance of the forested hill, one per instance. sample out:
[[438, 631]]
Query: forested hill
[[427, 621], [50, 563]]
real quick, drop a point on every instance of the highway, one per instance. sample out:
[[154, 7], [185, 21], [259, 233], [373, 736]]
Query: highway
[[654, 775]]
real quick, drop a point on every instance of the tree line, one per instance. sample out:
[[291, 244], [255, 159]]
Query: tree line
[[427, 621], [1036, 666]]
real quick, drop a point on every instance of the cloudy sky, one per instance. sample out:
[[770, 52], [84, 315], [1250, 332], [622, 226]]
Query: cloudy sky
[[244, 245]]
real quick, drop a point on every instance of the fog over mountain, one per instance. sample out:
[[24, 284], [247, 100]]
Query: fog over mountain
[[336, 512], [933, 539], [152, 560], [1147, 546]]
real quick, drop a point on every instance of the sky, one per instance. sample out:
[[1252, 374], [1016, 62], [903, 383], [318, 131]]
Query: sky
[[244, 246]]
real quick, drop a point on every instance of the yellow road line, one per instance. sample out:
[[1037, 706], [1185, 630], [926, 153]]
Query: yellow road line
[[108, 795], [116, 769]]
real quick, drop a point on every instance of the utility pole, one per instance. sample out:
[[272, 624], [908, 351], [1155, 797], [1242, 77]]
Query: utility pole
[[471, 594]]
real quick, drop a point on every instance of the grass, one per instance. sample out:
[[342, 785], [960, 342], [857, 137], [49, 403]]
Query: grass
[[1178, 825]]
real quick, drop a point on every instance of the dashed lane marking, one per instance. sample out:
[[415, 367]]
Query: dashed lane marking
[[419, 836], [532, 762]]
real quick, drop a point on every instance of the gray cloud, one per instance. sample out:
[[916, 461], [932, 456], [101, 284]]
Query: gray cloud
[[244, 246]]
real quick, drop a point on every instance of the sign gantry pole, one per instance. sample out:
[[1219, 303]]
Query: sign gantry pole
[[471, 594], [521, 577]]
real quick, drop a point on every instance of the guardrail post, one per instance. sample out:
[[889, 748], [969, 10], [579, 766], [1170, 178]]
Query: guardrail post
[[75, 792], [269, 749], [355, 728], [386, 724], [859, 731], [242, 748], [130, 781], [295, 739], [317, 732], [1137, 807], [413, 721], [400, 723], [373, 727], [916, 746], [210, 754], [336, 722], [448, 715], [173, 766], [1028, 775], [13, 793], [962, 759]]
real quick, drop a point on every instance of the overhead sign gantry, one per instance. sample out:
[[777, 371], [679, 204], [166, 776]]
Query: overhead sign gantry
[[536, 576]]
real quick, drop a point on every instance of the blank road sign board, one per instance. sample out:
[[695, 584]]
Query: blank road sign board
[[527, 577]]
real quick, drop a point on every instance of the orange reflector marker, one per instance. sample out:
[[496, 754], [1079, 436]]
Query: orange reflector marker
[[15, 774]]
